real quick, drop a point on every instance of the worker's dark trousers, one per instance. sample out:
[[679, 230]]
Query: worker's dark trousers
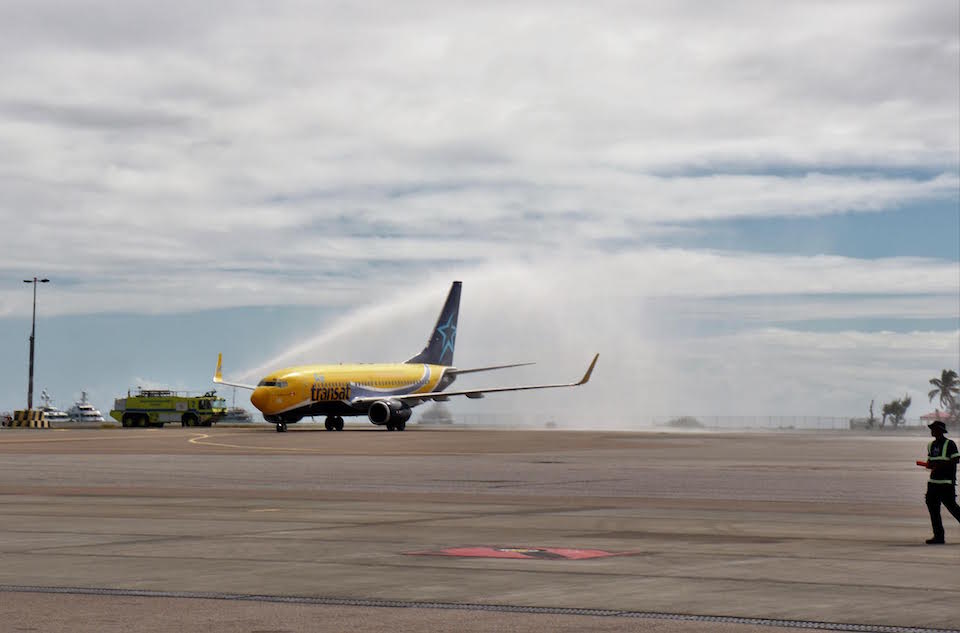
[[947, 495]]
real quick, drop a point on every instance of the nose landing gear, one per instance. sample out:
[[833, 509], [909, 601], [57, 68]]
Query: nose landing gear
[[281, 427]]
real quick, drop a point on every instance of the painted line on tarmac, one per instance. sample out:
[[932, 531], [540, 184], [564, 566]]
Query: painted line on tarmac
[[197, 440], [460, 606]]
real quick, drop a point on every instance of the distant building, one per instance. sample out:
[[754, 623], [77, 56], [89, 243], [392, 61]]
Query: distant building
[[942, 416]]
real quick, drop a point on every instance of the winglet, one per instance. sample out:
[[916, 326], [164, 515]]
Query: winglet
[[586, 376], [218, 376]]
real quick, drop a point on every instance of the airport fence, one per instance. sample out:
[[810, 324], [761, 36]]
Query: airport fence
[[680, 422]]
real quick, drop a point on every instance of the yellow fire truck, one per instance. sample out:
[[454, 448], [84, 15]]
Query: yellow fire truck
[[155, 407]]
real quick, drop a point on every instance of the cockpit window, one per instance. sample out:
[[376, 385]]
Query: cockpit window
[[272, 383]]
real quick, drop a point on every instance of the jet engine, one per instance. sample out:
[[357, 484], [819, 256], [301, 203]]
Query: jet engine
[[388, 412]]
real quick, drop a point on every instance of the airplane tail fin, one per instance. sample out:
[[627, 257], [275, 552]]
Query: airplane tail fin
[[439, 349]]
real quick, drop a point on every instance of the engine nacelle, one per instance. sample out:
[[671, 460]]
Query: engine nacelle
[[388, 411]]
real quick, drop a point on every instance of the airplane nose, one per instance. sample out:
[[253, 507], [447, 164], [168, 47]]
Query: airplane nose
[[259, 398]]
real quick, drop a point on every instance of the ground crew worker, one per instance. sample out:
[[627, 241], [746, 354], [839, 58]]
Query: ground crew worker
[[942, 458]]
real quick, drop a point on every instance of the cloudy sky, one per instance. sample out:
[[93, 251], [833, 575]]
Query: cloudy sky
[[748, 208]]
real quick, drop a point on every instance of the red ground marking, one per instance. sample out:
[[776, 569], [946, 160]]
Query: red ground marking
[[537, 553]]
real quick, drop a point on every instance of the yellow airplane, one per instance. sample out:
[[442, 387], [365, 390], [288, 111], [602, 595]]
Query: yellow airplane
[[385, 393]]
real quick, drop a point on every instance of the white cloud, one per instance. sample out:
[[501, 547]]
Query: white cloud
[[133, 119], [176, 157], [302, 277]]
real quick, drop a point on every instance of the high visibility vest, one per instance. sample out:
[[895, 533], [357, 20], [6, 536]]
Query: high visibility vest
[[933, 457]]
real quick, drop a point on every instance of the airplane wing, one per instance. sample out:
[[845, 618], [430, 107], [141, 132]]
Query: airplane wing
[[455, 371], [474, 393], [218, 376]]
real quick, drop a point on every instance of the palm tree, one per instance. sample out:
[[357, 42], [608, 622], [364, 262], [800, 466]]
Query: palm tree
[[947, 388]]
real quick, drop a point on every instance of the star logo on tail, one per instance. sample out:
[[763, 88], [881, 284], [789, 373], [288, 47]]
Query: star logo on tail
[[449, 333]]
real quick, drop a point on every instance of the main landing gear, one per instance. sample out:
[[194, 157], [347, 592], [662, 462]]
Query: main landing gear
[[333, 423], [281, 427], [397, 426]]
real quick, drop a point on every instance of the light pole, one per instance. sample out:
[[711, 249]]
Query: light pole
[[33, 332]]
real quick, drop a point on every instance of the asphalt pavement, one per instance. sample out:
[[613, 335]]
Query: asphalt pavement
[[227, 529]]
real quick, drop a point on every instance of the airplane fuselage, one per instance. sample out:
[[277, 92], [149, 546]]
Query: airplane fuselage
[[330, 390]]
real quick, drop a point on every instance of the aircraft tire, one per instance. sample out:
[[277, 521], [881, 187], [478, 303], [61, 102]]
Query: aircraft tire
[[390, 426], [401, 426], [281, 427], [329, 424], [338, 424]]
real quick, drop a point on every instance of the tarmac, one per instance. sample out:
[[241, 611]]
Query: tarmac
[[249, 530]]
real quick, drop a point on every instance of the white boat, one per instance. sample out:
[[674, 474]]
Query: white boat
[[236, 414], [50, 411], [83, 411]]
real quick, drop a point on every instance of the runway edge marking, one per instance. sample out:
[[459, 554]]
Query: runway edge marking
[[464, 606]]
